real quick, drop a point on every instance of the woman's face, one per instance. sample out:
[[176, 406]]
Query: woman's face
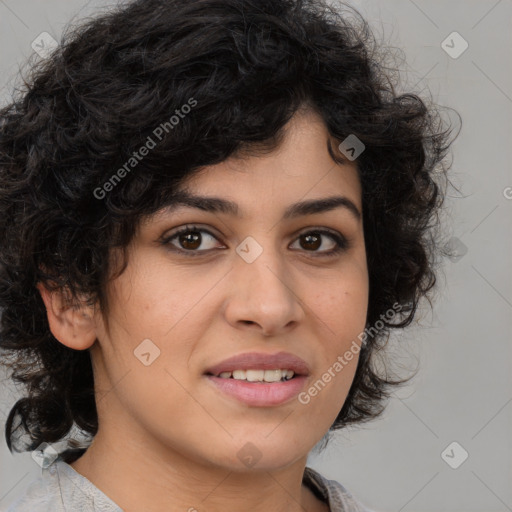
[[252, 282]]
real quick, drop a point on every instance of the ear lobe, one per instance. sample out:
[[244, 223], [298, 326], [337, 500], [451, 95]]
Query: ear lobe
[[72, 325]]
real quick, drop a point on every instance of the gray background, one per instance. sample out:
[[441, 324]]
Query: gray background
[[463, 391]]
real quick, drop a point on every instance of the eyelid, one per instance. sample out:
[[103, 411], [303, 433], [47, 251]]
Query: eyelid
[[190, 227]]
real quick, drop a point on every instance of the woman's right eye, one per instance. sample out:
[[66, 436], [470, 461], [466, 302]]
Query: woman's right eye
[[187, 240]]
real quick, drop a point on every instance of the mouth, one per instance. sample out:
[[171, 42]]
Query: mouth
[[258, 379], [257, 375], [260, 366]]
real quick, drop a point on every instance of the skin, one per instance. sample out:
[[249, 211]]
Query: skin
[[167, 439]]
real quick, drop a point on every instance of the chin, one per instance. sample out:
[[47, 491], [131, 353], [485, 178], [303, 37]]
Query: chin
[[257, 453]]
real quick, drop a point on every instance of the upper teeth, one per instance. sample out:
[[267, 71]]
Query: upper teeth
[[259, 375]]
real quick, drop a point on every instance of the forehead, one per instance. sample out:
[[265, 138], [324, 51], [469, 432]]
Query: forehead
[[300, 165], [299, 177]]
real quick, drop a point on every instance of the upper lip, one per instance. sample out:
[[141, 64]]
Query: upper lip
[[261, 361]]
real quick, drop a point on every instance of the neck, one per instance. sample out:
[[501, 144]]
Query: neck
[[148, 478]]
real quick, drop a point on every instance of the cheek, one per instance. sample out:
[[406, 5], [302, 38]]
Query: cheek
[[341, 317], [341, 320], [150, 296], [343, 307], [163, 305]]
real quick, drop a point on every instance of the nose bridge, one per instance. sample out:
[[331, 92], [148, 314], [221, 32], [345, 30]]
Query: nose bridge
[[262, 292], [261, 265]]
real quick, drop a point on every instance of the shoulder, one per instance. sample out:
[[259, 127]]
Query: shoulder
[[61, 489], [38, 496], [337, 496]]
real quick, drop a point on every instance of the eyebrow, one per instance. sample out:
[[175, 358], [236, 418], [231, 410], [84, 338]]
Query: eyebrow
[[219, 205]]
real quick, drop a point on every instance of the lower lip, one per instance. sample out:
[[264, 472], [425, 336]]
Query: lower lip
[[260, 394]]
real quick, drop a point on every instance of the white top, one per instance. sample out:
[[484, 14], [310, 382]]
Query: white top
[[62, 489]]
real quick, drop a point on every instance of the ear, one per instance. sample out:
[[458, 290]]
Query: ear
[[74, 326]]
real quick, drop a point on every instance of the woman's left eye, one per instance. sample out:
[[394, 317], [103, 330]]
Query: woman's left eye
[[190, 238]]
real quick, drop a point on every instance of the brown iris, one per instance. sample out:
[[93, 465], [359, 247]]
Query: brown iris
[[193, 238], [311, 239]]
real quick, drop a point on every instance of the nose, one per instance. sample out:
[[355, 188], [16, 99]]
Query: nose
[[262, 296]]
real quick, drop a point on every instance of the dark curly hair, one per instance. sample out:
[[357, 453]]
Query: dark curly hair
[[246, 66]]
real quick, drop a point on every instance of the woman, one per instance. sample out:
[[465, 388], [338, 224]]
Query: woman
[[212, 215]]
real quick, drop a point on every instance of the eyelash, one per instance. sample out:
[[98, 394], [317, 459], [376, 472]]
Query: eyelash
[[341, 242]]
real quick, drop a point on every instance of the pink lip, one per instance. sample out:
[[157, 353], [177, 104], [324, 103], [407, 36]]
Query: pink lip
[[261, 361], [260, 394]]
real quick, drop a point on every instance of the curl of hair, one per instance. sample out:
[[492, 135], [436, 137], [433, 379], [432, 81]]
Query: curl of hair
[[249, 66]]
